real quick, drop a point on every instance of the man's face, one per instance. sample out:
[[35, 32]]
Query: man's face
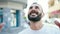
[[35, 13]]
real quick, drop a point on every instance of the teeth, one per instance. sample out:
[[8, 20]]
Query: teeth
[[33, 15]]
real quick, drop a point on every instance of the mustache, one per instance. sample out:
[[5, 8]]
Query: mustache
[[33, 11]]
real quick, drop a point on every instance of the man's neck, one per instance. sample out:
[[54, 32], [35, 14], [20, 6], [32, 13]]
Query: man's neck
[[36, 26]]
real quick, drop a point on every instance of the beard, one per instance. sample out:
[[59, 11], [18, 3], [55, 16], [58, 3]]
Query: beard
[[34, 19]]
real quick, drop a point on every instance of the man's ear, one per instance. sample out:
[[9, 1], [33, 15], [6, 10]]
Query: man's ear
[[43, 14]]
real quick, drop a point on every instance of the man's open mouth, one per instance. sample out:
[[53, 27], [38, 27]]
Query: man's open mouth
[[33, 12], [33, 15]]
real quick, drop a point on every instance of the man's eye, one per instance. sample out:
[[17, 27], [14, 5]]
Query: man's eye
[[30, 7], [36, 7]]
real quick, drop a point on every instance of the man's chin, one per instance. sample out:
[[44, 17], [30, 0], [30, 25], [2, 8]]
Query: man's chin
[[34, 19]]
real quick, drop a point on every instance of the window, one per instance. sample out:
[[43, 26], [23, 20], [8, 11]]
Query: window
[[1, 15], [15, 18], [1, 18]]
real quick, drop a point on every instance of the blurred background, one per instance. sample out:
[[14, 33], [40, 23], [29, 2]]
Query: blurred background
[[13, 14]]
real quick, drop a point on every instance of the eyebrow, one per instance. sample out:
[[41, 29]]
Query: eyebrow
[[30, 7]]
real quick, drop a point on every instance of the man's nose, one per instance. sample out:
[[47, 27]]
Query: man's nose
[[33, 8]]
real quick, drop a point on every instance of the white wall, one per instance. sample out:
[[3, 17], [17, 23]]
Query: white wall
[[15, 5], [11, 5], [3, 4]]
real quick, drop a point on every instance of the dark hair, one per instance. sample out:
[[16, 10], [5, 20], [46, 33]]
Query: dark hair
[[35, 3]]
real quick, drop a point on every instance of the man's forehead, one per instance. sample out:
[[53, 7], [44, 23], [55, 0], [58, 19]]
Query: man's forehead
[[40, 7], [35, 5]]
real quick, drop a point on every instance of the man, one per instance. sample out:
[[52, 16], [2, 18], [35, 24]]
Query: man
[[35, 15]]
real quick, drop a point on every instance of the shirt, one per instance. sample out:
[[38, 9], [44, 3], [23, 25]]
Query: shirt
[[46, 29]]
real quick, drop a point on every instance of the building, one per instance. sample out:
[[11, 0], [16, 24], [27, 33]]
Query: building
[[54, 12], [11, 14]]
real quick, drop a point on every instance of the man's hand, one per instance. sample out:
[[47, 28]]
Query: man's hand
[[57, 23], [1, 26]]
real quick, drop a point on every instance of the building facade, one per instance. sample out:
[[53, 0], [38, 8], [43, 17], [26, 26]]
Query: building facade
[[11, 14]]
